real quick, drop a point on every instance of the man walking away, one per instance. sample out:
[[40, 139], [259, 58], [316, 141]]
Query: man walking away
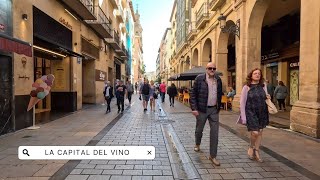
[[145, 92], [172, 92], [121, 93], [130, 90], [205, 104], [108, 95], [163, 91]]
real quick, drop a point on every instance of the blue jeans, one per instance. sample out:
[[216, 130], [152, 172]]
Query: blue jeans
[[163, 95]]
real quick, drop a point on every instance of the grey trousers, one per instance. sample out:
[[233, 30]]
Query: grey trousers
[[213, 116]]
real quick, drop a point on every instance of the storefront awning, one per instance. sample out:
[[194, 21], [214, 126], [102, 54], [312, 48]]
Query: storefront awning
[[10, 44], [54, 47]]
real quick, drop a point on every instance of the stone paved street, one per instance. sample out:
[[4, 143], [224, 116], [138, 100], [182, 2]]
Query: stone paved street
[[170, 130]]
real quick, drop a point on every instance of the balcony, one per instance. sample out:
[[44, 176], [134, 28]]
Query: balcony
[[119, 15], [202, 16], [121, 52], [215, 4], [84, 8], [126, 54], [192, 31], [102, 25], [123, 28], [114, 41]]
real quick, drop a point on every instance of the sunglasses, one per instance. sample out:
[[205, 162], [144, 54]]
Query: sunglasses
[[211, 68]]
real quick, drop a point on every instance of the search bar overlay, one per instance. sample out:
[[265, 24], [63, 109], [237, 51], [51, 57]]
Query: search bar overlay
[[86, 152]]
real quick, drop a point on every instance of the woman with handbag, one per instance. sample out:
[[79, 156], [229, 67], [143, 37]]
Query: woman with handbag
[[153, 95], [254, 110]]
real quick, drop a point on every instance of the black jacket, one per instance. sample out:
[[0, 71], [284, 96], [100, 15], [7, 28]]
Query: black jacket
[[110, 91], [199, 93], [172, 91]]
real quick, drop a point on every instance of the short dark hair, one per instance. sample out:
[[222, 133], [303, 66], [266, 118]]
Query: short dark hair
[[281, 83]]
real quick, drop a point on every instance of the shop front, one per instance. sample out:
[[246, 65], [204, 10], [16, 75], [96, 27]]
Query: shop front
[[91, 54], [9, 108], [53, 55]]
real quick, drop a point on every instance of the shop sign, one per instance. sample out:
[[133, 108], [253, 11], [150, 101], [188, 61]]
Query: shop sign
[[270, 56], [272, 64], [100, 75], [295, 64], [64, 22]]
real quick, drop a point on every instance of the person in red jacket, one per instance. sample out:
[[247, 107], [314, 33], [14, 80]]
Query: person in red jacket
[[163, 89]]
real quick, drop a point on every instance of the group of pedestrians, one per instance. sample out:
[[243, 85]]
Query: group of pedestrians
[[121, 91]]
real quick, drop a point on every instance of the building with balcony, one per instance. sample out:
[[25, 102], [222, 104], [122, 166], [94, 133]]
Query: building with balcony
[[80, 42], [137, 58]]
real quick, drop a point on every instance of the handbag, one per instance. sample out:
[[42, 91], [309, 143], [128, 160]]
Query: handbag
[[155, 95], [272, 109]]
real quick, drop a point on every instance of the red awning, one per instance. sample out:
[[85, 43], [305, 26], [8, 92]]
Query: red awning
[[10, 44]]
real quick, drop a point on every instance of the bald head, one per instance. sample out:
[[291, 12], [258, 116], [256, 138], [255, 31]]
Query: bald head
[[211, 64]]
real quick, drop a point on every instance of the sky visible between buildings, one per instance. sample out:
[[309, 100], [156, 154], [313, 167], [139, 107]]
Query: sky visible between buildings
[[154, 18]]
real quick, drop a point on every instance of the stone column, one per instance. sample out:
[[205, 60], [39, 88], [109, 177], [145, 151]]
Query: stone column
[[305, 114], [222, 63]]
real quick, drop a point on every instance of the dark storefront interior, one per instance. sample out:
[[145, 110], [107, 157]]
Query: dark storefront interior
[[56, 46]]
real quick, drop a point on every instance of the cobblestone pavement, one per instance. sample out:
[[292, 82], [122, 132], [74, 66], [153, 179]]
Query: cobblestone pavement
[[172, 134], [76, 129]]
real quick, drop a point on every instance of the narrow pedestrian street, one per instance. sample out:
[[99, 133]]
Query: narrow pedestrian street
[[170, 130]]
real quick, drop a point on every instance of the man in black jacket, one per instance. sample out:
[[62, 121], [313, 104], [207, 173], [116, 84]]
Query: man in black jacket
[[108, 95], [205, 101]]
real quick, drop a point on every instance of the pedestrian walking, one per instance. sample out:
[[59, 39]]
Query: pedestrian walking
[[163, 89], [172, 92], [136, 87], [145, 92], [130, 90], [104, 88], [281, 93], [254, 110], [121, 92], [205, 104], [153, 96], [270, 89], [108, 95]]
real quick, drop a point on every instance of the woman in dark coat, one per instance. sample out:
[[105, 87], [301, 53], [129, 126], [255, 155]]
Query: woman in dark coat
[[108, 95], [254, 110], [172, 92]]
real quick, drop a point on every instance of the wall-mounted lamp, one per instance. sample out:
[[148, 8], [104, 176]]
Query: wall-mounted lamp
[[25, 17], [24, 61], [234, 28]]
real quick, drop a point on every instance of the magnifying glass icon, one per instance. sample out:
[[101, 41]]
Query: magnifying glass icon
[[25, 152]]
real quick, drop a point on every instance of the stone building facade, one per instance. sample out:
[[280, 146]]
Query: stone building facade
[[82, 43], [272, 35]]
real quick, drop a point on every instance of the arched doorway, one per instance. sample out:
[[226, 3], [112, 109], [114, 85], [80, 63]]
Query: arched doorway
[[274, 45], [181, 67], [187, 65], [207, 52], [195, 58]]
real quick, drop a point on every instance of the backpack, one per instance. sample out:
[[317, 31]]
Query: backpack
[[145, 89]]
